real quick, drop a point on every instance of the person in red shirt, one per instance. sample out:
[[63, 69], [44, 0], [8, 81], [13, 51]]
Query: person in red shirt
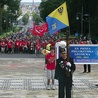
[[17, 45], [38, 47], [3, 46], [9, 46], [50, 66], [28, 46], [0, 45], [25, 47], [20, 46], [52, 42], [6, 42]]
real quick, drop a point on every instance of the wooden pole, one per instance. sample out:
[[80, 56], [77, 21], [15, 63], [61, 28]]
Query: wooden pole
[[67, 43], [67, 40]]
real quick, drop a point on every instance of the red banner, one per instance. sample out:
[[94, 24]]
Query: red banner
[[39, 30]]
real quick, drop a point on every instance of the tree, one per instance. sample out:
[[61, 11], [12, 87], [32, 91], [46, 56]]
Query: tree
[[74, 6], [12, 6], [36, 18], [25, 18]]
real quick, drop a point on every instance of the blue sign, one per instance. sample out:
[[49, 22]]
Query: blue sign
[[84, 54], [76, 34]]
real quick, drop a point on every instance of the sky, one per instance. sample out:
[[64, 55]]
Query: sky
[[30, 0]]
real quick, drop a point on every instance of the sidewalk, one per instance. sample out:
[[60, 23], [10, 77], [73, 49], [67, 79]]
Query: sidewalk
[[25, 78]]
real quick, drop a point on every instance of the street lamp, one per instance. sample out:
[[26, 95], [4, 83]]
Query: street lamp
[[84, 17], [87, 19], [77, 17]]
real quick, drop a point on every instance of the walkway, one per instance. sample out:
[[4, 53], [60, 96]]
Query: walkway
[[25, 78]]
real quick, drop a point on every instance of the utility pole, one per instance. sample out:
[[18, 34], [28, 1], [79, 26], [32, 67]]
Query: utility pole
[[87, 19], [89, 26], [81, 18]]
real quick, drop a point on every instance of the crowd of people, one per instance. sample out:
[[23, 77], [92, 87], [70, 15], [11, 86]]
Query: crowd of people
[[25, 43], [21, 42]]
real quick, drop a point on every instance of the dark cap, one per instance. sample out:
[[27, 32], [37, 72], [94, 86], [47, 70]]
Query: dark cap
[[62, 50], [52, 48]]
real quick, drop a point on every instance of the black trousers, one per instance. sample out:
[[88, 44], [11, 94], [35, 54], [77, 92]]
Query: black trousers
[[87, 67], [65, 88]]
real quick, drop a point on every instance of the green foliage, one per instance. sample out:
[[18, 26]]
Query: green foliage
[[16, 29], [25, 18], [8, 13], [36, 18], [4, 35], [12, 5], [19, 12]]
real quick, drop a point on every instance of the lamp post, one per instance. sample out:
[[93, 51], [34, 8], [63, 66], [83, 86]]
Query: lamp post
[[84, 17], [77, 17], [87, 19]]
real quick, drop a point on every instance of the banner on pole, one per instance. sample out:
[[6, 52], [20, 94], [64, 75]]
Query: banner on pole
[[84, 54]]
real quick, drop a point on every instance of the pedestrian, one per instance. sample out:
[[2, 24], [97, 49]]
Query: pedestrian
[[87, 67], [63, 73], [50, 67], [38, 48], [9, 46]]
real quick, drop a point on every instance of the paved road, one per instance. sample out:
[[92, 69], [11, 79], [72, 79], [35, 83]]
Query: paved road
[[25, 78], [20, 55]]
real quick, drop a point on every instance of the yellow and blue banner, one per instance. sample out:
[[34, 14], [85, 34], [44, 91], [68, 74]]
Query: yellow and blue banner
[[58, 19]]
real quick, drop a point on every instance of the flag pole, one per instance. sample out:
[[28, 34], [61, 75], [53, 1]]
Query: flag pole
[[67, 40], [68, 48], [67, 43]]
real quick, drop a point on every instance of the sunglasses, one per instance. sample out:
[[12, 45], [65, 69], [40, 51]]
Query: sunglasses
[[63, 53]]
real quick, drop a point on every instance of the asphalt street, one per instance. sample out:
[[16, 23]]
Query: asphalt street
[[19, 55]]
